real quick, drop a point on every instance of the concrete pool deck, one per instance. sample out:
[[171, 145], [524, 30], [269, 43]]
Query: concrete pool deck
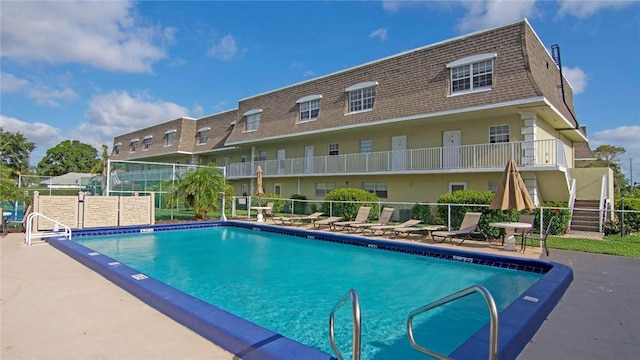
[[52, 307]]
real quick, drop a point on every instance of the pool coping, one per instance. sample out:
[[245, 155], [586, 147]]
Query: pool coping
[[250, 341]]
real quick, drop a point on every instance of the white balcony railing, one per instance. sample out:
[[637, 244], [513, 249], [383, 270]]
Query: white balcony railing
[[525, 153]]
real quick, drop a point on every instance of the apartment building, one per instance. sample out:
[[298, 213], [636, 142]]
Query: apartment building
[[408, 127]]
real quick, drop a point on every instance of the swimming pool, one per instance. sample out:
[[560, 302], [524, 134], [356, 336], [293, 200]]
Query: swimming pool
[[552, 280]]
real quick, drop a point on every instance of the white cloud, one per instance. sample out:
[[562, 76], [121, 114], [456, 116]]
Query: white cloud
[[487, 14], [576, 77], [116, 113], [391, 6], [43, 135], [102, 34], [380, 33], [197, 111], [583, 9], [309, 73], [623, 136], [11, 84], [225, 50], [48, 97]]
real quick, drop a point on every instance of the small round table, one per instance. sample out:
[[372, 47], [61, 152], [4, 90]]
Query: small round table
[[260, 209], [510, 229]]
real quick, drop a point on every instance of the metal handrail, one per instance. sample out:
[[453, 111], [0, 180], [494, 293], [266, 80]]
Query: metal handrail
[[493, 313], [56, 225], [357, 324]]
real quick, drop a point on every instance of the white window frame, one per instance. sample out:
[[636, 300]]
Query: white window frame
[[133, 145], [170, 137], [381, 189], [456, 184], [252, 120], [277, 188], [366, 146], [309, 110], [203, 135], [116, 148], [146, 142], [333, 149], [262, 155], [471, 74], [361, 97], [499, 134], [323, 188]]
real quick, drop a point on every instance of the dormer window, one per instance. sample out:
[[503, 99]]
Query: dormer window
[[146, 142], [309, 107], [362, 96], [253, 119], [472, 73], [170, 137], [203, 135], [116, 148], [133, 145]]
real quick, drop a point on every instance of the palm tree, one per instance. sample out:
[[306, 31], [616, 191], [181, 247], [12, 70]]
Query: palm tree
[[201, 189]]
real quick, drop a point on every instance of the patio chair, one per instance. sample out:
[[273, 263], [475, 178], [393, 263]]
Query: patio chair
[[468, 227], [384, 228], [361, 217], [384, 219], [540, 237], [269, 212], [524, 218], [426, 231], [291, 220], [326, 222]]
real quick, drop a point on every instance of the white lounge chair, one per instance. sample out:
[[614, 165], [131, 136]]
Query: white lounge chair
[[385, 228], [291, 220]]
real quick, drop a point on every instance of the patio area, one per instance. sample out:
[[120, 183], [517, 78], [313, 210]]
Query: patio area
[[55, 308]]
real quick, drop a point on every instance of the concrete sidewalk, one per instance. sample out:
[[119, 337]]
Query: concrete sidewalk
[[53, 307], [599, 315]]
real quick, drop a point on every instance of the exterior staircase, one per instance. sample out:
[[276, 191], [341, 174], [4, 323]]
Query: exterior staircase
[[585, 216]]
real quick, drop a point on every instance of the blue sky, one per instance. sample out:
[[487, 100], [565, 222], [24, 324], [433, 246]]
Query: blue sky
[[94, 70]]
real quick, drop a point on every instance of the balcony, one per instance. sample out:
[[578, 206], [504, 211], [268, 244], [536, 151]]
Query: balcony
[[427, 160]]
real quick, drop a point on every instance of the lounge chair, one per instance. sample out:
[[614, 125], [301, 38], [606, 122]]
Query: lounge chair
[[384, 228], [269, 212], [384, 219], [291, 220], [326, 222], [424, 230], [361, 217], [468, 227]]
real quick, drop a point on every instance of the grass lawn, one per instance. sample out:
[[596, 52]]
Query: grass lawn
[[612, 245]]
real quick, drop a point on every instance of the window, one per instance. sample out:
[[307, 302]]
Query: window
[[309, 110], [277, 189], [472, 73], [362, 99], [380, 188], [334, 149], [253, 119], [134, 145], [203, 135], [146, 142], [366, 146], [170, 137], [262, 155], [244, 189], [322, 189], [116, 148], [498, 134], [455, 186]]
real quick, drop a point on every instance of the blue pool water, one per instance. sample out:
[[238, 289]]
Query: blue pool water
[[289, 284]]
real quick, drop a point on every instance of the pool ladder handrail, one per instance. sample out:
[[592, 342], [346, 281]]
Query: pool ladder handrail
[[357, 324], [53, 233], [493, 326]]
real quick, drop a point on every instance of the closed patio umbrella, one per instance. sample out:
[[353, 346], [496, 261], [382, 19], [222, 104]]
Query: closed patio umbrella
[[512, 192], [259, 190]]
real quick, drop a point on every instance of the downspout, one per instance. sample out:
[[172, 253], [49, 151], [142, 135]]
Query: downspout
[[555, 53]]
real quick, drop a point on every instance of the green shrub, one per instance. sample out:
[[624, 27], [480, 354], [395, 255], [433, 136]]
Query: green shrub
[[561, 223], [299, 207], [473, 198], [347, 201], [631, 220], [422, 212]]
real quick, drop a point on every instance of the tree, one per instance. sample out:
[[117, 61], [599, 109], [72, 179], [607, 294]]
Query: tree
[[68, 156], [201, 189], [9, 191], [15, 151], [608, 153], [101, 166]]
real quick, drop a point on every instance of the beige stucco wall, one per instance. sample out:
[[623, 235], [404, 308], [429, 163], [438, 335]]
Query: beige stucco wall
[[589, 182]]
